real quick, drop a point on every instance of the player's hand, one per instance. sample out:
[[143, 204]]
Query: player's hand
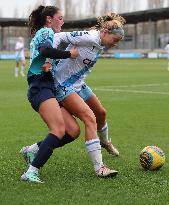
[[74, 52], [47, 67]]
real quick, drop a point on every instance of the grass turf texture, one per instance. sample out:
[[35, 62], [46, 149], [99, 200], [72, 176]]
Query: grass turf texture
[[136, 96]]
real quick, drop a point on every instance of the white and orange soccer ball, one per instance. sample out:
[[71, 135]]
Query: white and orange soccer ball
[[152, 158]]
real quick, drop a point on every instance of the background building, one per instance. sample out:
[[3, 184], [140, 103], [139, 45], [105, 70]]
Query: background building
[[146, 30]]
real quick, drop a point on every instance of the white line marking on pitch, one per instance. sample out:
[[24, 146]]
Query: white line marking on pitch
[[136, 85], [131, 91]]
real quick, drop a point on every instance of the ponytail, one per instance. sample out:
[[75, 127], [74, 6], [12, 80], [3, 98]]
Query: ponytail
[[37, 18]]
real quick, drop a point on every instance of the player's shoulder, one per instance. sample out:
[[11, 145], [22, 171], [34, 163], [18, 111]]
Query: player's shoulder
[[94, 33], [94, 36], [45, 33], [60, 34]]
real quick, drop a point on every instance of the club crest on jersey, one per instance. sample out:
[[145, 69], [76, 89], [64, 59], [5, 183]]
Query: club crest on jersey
[[45, 35]]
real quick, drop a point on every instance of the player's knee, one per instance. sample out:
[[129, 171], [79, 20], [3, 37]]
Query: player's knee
[[58, 129], [75, 132], [59, 132]]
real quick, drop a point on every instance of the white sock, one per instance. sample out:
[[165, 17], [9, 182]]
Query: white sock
[[32, 169], [103, 133], [94, 149], [22, 68], [22, 71], [33, 148], [16, 71]]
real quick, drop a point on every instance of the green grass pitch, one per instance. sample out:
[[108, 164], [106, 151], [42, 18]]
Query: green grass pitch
[[135, 94]]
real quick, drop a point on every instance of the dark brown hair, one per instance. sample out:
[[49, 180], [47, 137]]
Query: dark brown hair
[[37, 18]]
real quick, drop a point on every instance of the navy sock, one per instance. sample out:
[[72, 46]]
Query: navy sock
[[65, 140], [39, 143], [45, 150]]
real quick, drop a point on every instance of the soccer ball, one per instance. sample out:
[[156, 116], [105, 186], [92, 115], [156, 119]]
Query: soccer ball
[[152, 158]]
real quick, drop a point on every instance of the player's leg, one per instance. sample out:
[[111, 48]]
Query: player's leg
[[23, 63], [71, 125], [49, 111], [42, 99], [72, 132], [75, 104], [102, 127], [17, 68]]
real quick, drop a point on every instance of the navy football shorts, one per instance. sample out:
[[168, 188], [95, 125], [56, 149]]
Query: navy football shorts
[[41, 88]]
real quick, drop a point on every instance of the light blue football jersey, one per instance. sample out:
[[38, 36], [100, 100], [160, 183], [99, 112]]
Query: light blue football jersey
[[69, 71], [43, 37]]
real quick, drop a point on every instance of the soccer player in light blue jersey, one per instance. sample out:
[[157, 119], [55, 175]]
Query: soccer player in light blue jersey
[[20, 57], [69, 79], [44, 22], [86, 93], [71, 73]]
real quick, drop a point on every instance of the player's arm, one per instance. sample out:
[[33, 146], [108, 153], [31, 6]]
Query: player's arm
[[48, 63], [18, 49], [50, 53], [47, 67], [53, 53], [46, 49]]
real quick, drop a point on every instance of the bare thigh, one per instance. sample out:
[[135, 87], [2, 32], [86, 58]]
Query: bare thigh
[[71, 125], [51, 113], [77, 107]]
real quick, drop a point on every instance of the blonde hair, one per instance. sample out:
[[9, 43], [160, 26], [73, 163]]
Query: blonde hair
[[110, 21]]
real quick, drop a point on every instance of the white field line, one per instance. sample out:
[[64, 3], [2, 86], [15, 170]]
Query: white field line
[[117, 88], [136, 85], [131, 91]]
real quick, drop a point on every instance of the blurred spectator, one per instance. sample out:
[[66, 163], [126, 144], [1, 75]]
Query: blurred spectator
[[20, 57], [167, 50]]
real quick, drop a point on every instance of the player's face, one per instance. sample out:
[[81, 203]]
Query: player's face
[[110, 40], [57, 22]]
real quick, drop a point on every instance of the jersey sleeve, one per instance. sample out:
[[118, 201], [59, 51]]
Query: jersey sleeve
[[74, 38], [45, 38]]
